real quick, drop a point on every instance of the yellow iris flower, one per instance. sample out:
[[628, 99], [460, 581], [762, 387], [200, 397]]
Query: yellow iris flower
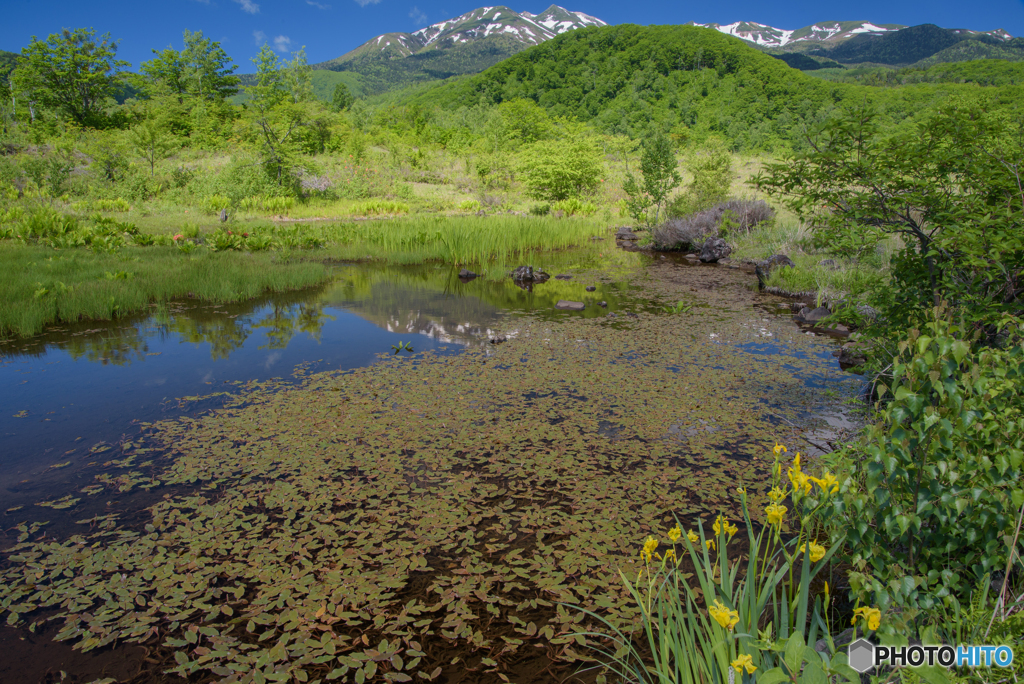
[[670, 555], [744, 661], [775, 513], [692, 536], [650, 544], [721, 523], [776, 495], [828, 483], [817, 551], [872, 616], [779, 449], [723, 615], [674, 534]]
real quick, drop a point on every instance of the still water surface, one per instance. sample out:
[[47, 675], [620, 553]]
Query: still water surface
[[70, 392]]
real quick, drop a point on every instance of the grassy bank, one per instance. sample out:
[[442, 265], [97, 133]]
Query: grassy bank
[[40, 285]]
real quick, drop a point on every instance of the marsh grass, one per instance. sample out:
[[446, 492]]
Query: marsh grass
[[457, 240], [40, 286]]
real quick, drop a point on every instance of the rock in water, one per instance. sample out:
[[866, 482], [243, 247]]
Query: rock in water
[[570, 306], [466, 274], [527, 274], [714, 249], [764, 268], [815, 315]]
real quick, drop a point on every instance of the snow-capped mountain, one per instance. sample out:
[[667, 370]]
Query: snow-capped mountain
[[823, 34], [522, 27]]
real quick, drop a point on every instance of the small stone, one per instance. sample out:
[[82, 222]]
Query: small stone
[[223, 215], [466, 274], [603, 304], [563, 276], [499, 339], [570, 306], [590, 288]]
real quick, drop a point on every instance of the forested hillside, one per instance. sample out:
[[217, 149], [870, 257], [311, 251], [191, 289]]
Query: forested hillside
[[983, 72], [693, 81]]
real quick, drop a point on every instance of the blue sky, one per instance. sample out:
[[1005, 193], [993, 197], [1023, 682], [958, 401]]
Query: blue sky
[[329, 28]]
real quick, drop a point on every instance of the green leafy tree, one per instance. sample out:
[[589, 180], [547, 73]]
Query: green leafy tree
[[710, 166], [342, 98], [299, 77], [565, 167], [658, 177], [201, 71], [151, 142], [279, 112], [950, 191], [524, 120], [72, 73]]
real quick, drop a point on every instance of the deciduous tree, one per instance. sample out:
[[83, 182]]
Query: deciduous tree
[[72, 73]]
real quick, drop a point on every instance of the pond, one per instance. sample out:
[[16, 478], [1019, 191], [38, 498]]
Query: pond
[[279, 456]]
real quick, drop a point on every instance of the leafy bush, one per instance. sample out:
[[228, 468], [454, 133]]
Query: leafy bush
[[931, 497], [471, 205], [559, 169], [222, 240], [117, 204], [691, 231], [573, 207]]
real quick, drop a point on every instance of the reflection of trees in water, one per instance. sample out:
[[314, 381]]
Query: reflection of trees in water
[[283, 322], [224, 327], [117, 346]]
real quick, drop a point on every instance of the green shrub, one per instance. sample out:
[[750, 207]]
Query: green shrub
[[542, 209], [117, 204], [213, 204], [277, 205], [931, 496], [573, 207], [470, 205]]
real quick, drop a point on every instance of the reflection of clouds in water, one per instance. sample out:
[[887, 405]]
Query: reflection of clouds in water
[[271, 360], [157, 381], [209, 376]]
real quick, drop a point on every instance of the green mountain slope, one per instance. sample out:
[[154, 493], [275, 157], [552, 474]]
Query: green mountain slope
[[903, 47], [387, 70], [970, 50]]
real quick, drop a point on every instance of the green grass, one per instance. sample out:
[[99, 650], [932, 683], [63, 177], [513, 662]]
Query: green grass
[[40, 285], [456, 240]]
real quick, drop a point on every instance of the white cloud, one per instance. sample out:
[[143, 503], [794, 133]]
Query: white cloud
[[282, 43], [417, 16], [260, 37], [249, 6], [364, 3], [318, 5], [205, 2]]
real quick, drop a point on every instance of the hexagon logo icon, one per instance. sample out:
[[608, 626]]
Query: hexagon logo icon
[[861, 655]]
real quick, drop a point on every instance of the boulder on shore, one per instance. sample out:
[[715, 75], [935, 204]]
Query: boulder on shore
[[714, 249], [764, 268]]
